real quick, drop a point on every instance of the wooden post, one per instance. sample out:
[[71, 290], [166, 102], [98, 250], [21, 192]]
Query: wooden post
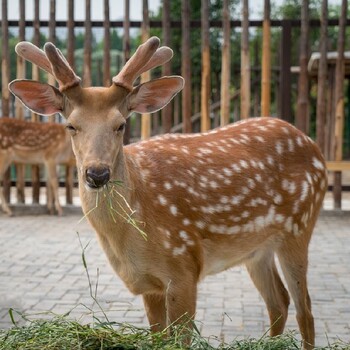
[[106, 46], [339, 104], [146, 76], [321, 113], [166, 69], [286, 93], [225, 65], [35, 117], [302, 114], [71, 59], [87, 45], [266, 62], [5, 98], [71, 37], [245, 63], [51, 80], [20, 168], [205, 85], [126, 49], [186, 67]]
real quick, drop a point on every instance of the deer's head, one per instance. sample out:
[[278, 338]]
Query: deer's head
[[96, 116]]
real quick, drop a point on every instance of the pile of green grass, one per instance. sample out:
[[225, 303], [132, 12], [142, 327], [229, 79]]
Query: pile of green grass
[[61, 333]]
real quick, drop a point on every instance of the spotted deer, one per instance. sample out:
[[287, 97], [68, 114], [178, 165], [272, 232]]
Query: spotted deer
[[35, 143], [238, 194]]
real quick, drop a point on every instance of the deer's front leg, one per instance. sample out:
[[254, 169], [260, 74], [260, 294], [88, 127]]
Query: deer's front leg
[[177, 305], [156, 311]]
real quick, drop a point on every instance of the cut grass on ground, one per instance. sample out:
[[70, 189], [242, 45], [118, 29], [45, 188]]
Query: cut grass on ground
[[60, 333]]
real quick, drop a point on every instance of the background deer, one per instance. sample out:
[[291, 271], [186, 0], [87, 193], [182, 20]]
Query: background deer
[[240, 194], [35, 143]]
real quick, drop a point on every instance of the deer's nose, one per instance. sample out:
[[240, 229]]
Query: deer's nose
[[97, 177]]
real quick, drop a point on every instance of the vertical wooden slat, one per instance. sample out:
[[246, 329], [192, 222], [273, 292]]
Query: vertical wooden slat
[[52, 38], [20, 61], [126, 49], [71, 37], [5, 98], [256, 85], [321, 113], [87, 45], [166, 69], [186, 67], [245, 62], [329, 131], [302, 113], [286, 94], [20, 168], [266, 62], [339, 104], [225, 65], [205, 85], [146, 76], [106, 46], [71, 61], [5, 62], [35, 117]]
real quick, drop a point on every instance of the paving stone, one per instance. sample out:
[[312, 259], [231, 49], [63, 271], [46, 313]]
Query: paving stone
[[41, 270]]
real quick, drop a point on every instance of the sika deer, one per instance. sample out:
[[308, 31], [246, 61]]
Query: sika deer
[[34, 143], [234, 195]]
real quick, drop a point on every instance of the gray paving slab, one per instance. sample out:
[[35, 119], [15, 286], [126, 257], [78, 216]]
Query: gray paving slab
[[41, 273]]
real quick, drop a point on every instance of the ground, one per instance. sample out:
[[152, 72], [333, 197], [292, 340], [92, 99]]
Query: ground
[[41, 270]]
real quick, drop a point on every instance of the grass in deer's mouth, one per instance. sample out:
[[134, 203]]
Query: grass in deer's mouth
[[117, 206]]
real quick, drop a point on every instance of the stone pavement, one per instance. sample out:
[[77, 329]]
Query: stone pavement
[[41, 270]]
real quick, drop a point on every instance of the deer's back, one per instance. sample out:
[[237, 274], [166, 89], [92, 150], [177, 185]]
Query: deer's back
[[249, 178]]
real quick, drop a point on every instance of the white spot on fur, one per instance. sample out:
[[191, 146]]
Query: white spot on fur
[[304, 190], [162, 200], [186, 222], [235, 200], [173, 209], [179, 251], [290, 145], [168, 185], [279, 147], [289, 186], [200, 224], [244, 164], [317, 163]]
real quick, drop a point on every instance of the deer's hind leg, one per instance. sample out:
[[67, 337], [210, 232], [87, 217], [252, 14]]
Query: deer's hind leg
[[4, 164], [263, 272], [293, 257], [53, 198]]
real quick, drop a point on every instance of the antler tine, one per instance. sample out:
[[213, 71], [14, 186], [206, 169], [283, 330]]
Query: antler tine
[[61, 69], [33, 54], [135, 66], [161, 56]]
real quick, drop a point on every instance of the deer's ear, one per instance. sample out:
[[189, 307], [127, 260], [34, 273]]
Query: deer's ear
[[154, 95], [39, 97]]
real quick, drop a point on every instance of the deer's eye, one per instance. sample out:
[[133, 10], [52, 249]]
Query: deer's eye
[[121, 127], [72, 130]]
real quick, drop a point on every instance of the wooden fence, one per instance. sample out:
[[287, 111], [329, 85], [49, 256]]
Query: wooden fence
[[191, 111]]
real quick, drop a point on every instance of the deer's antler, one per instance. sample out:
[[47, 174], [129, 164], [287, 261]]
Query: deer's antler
[[146, 57], [51, 61]]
